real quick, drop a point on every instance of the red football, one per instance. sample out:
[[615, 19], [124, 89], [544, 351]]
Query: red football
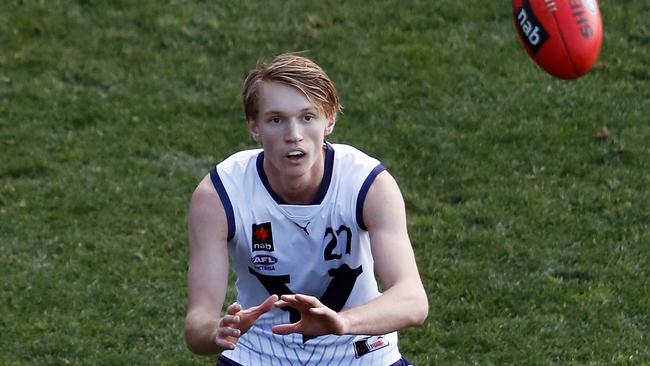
[[562, 36]]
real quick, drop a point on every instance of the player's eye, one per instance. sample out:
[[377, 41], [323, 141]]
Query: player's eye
[[308, 117], [275, 119]]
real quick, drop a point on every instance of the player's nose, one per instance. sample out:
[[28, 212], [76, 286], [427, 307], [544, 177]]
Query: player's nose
[[293, 131]]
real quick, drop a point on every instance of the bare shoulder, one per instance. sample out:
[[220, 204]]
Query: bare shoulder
[[205, 205], [384, 203], [384, 190], [385, 182]]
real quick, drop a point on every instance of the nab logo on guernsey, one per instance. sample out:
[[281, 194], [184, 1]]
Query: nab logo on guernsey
[[262, 237], [264, 262], [531, 27]]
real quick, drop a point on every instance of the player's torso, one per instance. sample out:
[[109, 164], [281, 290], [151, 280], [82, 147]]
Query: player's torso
[[318, 250], [312, 250]]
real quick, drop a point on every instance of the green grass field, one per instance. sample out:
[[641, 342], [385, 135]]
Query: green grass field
[[532, 234]]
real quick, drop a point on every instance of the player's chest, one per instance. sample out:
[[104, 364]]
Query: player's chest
[[313, 239]]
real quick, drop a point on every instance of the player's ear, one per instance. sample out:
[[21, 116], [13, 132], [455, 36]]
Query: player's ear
[[330, 125], [253, 129]]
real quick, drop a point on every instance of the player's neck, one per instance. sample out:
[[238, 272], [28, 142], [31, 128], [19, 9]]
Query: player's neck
[[298, 190]]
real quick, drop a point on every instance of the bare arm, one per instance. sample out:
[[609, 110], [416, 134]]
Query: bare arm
[[403, 303], [207, 277], [206, 330]]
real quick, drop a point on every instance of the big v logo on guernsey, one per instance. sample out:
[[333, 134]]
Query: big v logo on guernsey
[[530, 27], [262, 237]]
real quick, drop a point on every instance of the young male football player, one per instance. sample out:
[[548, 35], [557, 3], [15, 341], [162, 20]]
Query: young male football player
[[306, 225]]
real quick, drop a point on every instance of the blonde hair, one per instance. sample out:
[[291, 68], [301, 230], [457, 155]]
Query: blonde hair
[[298, 72]]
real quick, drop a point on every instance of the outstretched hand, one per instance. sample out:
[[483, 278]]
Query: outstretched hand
[[315, 318], [238, 321]]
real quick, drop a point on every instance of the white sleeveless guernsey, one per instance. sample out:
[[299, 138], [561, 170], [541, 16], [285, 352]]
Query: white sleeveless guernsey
[[321, 249]]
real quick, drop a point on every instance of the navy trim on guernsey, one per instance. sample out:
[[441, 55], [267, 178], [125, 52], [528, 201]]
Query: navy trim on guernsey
[[324, 184], [364, 191], [227, 206], [224, 361]]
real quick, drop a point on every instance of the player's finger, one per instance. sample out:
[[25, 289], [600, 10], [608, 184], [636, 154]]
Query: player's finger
[[285, 300], [233, 309], [284, 329], [228, 332], [229, 320], [267, 304], [309, 300], [262, 308], [295, 304], [281, 304], [319, 310], [288, 298], [224, 344]]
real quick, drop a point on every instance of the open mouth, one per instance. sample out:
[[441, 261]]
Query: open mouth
[[295, 155]]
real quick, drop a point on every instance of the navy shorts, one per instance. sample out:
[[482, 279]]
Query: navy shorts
[[223, 361]]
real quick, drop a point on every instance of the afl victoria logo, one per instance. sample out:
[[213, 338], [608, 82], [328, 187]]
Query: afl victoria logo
[[264, 259], [264, 262]]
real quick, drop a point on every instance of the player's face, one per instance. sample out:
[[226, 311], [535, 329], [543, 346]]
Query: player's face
[[291, 130]]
